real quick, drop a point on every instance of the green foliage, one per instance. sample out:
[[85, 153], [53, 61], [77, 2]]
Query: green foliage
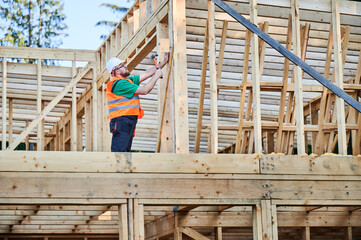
[[116, 9], [32, 23]]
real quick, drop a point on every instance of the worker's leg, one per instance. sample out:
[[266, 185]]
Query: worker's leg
[[134, 120], [121, 128]]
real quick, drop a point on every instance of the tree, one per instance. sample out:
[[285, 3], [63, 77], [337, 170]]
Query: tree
[[116, 9], [32, 23]]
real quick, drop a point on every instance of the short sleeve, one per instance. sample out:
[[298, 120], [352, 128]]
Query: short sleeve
[[124, 88], [135, 79]]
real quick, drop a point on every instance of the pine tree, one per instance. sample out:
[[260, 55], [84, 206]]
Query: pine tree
[[116, 9], [32, 23]]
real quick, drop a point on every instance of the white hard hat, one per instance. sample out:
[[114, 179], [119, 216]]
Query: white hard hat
[[112, 63]]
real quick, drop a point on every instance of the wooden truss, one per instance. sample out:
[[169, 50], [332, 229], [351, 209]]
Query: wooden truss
[[225, 91]]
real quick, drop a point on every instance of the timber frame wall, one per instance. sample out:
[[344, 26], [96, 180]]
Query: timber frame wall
[[224, 91]]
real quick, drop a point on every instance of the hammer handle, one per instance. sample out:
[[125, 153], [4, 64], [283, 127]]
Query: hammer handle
[[156, 65]]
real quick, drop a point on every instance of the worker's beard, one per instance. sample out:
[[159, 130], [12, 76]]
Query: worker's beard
[[126, 74]]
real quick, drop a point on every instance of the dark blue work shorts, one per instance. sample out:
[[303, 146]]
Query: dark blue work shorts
[[122, 129]]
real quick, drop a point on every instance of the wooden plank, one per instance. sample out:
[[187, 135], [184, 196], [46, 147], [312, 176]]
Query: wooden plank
[[130, 208], [255, 81], [193, 234], [49, 107], [136, 162], [340, 105], [10, 120], [74, 125], [274, 222], [164, 91], [257, 222], [47, 53], [180, 73], [39, 105], [296, 37], [4, 89], [326, 165], [202, 90], [95, 122], [213, 78], [266, 215], [243, 91], [135, 220], [141, 222]]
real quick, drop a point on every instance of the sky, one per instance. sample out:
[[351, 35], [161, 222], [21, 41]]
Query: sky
[[81, 17]]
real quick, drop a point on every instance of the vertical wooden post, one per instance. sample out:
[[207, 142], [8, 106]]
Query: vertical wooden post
[[123, 222], [136, 18], [88, 122], [218, 233], [73, 131], [124, 36], [266, 219], [212, 77], [141, 222], [349, 233], [117, 42], [142, 11], [177, 230], [180, 73], [95, 110], [107, 135], [340, 105], [306, 235], [135, 219], [256, 81], [130, 219], [296, 37], [274, 222], [257, 222], [155, 4], [166, 136], [4, 88], [40, 133], [79, 132], [10, 120], [149, 8], [202, 91]]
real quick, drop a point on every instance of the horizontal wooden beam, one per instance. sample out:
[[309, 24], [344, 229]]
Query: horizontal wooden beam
[[48, 53]]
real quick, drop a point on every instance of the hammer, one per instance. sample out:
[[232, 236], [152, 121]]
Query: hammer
[[152, 57]]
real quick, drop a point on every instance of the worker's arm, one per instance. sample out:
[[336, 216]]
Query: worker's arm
[[145, 89], [150, 72]]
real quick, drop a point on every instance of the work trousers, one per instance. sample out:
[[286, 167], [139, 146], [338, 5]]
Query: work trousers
[[122, 129]]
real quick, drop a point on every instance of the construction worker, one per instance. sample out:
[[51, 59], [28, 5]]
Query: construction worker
[[123, 100]]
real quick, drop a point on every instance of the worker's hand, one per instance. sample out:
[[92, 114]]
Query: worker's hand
[[158, 73], [166, 57]]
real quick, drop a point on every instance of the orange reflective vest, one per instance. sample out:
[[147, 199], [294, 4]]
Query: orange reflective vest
[[122, 106]]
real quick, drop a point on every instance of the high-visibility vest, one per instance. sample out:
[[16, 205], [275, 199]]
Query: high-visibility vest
[[122, 106]]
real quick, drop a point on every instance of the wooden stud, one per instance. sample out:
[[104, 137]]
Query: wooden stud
[[266, 213], [243, 91], [4, 89], [296, 36], [340, 105], [164, 140], [274, 222], [136, 18], [124, 36], [306, 234], [202, 91], [180, 73], [212, 77], [142, 11], [130, 219], [284, 88], [135, 220], [255, 80], [10, 120], [123, 222], [95, 116], [257, 222], [74, 140]]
